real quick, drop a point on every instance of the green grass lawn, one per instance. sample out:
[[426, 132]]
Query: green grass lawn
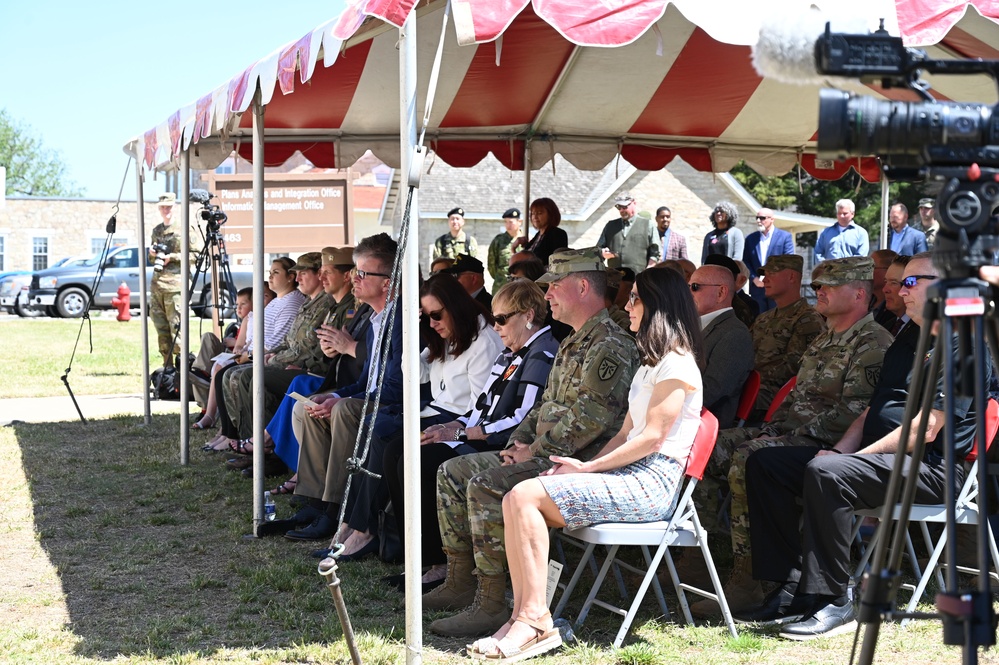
[[113, 552]]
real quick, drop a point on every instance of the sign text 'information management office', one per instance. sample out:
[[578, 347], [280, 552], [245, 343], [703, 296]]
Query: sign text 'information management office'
[[302, 212]]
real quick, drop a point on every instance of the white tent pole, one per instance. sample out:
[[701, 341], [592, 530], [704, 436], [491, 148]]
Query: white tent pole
[[883, 241], [526, 221], [411, 350], [140, 216], [185, 306], [258, 306]]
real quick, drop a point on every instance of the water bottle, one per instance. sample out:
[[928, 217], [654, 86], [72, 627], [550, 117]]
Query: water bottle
[[270, 510]]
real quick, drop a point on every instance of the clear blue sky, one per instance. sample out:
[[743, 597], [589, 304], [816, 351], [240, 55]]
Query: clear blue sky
[[87, 77]]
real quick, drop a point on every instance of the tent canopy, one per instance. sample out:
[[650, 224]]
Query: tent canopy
[[525, 80]]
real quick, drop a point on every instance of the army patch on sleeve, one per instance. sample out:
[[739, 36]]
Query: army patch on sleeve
[[873, 373], [607, 369]]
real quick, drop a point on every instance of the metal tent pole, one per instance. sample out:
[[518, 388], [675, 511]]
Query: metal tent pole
[[140, 216], [185, 307], [258, 306], [883, 242], [411, 350]]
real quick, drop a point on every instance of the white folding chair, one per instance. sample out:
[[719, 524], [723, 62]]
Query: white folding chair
[[682, 530], [966, 512]]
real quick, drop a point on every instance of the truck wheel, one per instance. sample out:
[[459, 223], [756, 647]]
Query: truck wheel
[[71, 303], [27, 312]]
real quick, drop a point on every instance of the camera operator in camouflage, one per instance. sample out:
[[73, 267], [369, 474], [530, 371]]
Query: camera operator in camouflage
[[583, 406], [164, 300]]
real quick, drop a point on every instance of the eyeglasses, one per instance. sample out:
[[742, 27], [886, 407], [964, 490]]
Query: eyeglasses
[[434, 316], [503, 319], [817, 287], [911, 280], [760, 218], [695, 287], [621, 207], [633, 297], [361, 274]]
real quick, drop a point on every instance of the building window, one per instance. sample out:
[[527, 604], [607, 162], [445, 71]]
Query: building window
[[96, 245], [39, 253]]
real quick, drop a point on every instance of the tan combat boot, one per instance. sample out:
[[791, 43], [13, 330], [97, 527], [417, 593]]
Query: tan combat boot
[[486, 615], [458, 590], [742, 592]]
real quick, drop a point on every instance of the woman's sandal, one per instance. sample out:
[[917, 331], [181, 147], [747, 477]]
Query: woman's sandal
[[478, 649], [545, 639], [287, 487], [245, 447], [198, 425]]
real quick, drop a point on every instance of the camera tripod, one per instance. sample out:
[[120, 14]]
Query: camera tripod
[[959, 307], [213, 254]]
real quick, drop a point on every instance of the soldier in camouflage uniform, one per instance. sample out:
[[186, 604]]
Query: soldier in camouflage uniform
[[501, 249], [455, 242], [781, 335], [838, 374], [298, 353], [583, 406], [335, 276], [164, 300]]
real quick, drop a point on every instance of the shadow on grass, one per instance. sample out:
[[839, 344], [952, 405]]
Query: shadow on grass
[[151, 555]]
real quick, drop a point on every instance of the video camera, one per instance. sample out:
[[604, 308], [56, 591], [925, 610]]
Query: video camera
[[953, 145], [212, 214]]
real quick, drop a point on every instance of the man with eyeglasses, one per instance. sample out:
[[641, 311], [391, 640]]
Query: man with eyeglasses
[[327, 431], [632, 241], [835, 381], [807, 549], [728, 346], [583, 406], [765, 242]]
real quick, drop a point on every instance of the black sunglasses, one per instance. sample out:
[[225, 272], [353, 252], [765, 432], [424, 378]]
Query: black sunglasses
[[361, 274], [434, 316], [911, 280], [502, 319], [695, 287]]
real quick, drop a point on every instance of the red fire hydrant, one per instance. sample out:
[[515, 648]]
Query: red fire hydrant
[[122, 302]]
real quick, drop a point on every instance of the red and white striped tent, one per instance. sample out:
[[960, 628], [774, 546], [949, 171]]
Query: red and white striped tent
[[647, 79]]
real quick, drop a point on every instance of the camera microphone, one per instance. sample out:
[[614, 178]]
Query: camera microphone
[[201, 196], [786, 49]]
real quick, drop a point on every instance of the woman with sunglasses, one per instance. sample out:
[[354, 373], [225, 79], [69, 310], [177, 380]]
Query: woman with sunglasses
[[514, 387], [635, 477], [724, 238], [460, 347]]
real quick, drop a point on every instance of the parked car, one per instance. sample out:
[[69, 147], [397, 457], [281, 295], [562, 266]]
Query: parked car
[[10, 288], [67, 289]]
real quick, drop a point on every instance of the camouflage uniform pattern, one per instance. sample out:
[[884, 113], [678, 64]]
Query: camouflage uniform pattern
[[780, 338], [498, 259], [583, 406], [164, 300], [837, 379], [450, 247], [301, 346]]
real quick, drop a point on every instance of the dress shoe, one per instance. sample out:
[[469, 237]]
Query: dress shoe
[[399, 582], [320, 554], [828, 620], [273, 466], [239, 463], [321, 528], [779, 607], [371, 547]]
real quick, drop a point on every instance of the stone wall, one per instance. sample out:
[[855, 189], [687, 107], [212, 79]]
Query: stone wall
[[72, 227]]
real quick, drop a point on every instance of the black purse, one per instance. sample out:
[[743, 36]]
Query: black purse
[[389, 542]]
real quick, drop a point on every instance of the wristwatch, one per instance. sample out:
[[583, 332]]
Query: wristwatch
[[460, 435]]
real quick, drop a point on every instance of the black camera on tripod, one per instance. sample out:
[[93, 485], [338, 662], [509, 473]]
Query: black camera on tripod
[[213, 215], [160, 251], [952, 145]]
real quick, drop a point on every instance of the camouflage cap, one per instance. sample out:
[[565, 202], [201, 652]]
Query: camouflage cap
[[613, 278], [926, 203], [338, 256], [167, 199], [782, 262], [309, 261], [836, 272], [572, 260], [466, 263]]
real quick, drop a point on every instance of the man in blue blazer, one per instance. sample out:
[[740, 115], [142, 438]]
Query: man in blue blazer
[[902, 238], [761, 245]]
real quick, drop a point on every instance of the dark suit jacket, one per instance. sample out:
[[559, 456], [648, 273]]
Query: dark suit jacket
[[780, 243], [913, 241], [728, 359]]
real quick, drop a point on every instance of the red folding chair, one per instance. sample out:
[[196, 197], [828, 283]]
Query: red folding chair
[[750, 391]]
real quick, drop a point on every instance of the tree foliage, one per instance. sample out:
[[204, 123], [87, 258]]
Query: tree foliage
[[32, 169], [797, 191]]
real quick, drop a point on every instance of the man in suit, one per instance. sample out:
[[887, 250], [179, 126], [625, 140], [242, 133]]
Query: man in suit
[[469, 271], [767, 241], [728, 346], [902, 238], [672, 243]]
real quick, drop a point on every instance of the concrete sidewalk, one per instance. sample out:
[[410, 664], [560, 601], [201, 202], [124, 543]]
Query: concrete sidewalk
[[94, 407]]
